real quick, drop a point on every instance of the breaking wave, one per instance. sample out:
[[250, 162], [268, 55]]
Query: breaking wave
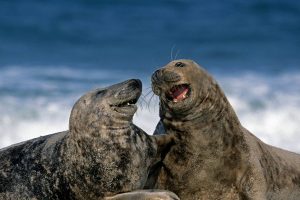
[[33, 104]]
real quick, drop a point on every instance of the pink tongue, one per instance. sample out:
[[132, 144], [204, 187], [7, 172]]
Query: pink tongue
[[179, 93]]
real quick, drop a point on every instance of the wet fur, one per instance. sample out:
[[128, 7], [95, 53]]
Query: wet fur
[[102, 154], [213, 156]]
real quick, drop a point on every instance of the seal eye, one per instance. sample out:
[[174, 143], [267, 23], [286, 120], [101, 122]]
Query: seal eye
[[179, 64], [100, 93]]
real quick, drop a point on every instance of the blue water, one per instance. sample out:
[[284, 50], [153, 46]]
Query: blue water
[[51, 52]]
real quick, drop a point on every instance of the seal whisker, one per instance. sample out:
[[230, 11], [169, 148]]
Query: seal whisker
[[156, 102], [172, 49], [177, 54], [149, 102], [142, 101], [148, 93], [148, 89]]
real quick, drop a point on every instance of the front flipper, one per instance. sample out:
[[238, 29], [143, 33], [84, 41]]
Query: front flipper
[[164, 143], [145, 195]]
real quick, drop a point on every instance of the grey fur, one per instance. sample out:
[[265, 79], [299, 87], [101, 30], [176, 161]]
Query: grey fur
[[214, 156], [101, 155]]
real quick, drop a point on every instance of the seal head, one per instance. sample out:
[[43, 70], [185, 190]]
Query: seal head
[[112, 107], [187, 91]]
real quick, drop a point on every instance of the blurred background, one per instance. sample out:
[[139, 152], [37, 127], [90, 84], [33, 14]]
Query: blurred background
[[53, 51]]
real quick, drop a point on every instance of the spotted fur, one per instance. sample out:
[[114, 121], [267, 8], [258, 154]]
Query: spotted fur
[[102, 154], [213, 156]]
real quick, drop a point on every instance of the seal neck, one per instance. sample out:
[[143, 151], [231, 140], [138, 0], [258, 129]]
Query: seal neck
[[203, 123], [211, 119], [210, 109], [218, 139], [101, 131]]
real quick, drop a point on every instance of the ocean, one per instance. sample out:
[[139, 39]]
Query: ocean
[[52, 52]]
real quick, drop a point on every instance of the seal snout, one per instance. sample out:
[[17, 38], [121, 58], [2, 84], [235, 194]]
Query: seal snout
[[156, 77], [128, 89], [161, 75], [170, 84], [134, 83], [128, 93]]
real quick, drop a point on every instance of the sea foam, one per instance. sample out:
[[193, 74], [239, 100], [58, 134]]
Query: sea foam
[[267, 106]]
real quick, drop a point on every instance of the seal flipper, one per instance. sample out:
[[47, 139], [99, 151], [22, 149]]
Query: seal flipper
[[164, 143], [145, 195]]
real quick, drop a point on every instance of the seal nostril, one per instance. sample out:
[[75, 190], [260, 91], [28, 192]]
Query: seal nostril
[[156, 71], [156, 77], [136, 83]]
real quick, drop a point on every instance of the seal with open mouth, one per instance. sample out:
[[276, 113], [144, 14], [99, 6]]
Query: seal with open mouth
[[101, 155], [213, 156]]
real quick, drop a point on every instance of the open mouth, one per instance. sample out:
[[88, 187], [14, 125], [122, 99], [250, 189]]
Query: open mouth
[[127, 103], [178, 93], [126, 106]]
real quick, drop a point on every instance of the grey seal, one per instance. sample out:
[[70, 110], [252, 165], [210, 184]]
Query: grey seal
[[102, 154], [214, 156]]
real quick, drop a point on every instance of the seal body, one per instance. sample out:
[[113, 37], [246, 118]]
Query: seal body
[[214, 156], [102, 154], [31, 170]]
